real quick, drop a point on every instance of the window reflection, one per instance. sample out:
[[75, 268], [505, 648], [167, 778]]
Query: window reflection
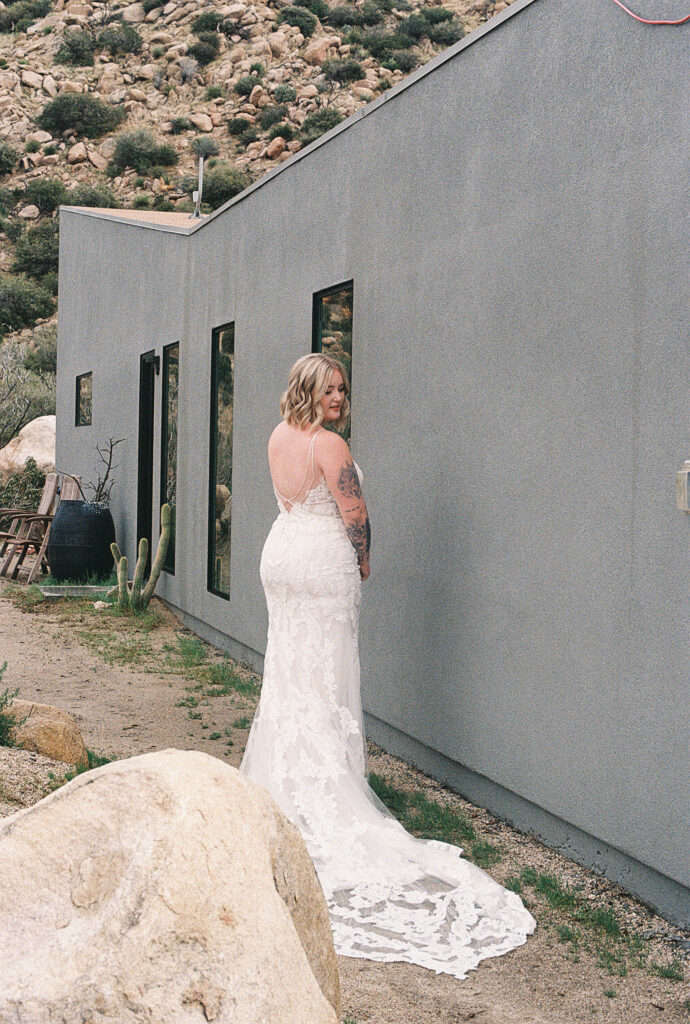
[[333, 328], [171, 376], [220, 496], [84, 392]]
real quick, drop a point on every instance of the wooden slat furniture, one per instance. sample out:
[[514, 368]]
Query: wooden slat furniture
[[18, 516], [33, 537]]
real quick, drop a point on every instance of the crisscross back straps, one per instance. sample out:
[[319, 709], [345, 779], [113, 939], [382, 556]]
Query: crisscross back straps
[[310, 464]]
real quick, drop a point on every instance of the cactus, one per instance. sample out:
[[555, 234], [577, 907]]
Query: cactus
[[138, 596]]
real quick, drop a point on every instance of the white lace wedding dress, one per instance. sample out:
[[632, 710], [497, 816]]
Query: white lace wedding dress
[[391, 896]]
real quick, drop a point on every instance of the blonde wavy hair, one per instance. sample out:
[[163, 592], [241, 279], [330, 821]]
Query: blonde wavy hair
[[307, 384]]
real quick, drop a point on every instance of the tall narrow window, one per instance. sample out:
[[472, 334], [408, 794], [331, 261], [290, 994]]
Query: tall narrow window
[[171, 377], [332, 327], [82, 416], [220, 470]]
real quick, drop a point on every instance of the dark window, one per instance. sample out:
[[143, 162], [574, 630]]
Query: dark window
[[171, 377], [332, 327], [83, 403], [220, 470]]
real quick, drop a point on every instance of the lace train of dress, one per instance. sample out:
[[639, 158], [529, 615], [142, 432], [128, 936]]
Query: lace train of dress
[[391, 896]]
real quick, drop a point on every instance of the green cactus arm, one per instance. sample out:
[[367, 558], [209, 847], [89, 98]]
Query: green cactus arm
[[161, 550], [123, 592], [116, 551], [138, 578]]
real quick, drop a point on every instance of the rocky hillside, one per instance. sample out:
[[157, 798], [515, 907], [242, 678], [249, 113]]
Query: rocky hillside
[[112, 103]]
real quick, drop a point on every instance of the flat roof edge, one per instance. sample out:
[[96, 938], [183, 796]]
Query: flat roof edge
[[129, 217]]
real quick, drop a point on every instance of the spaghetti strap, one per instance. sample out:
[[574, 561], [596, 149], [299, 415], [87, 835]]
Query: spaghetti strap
[[310, 462]]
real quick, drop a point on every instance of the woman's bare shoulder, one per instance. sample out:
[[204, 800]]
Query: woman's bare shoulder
[[331, 449]]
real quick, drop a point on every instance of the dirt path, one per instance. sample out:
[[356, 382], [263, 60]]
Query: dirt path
[[133, 691]]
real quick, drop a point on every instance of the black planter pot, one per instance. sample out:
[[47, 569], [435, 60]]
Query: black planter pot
[[80, 539]]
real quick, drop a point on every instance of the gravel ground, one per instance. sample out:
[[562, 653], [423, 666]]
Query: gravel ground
[[57, 655]]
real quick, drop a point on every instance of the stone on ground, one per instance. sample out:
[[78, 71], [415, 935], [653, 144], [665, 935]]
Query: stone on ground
[[36, 439], [166, 887], [49, 731]]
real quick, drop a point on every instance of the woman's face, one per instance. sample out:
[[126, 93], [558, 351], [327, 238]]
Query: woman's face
[[332, 401]]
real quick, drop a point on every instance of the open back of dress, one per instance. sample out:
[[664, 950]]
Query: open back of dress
[[391, 896]]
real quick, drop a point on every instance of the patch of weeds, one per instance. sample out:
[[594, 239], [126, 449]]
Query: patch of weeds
[[566, 933], [485, 854], [612, 960], [190, 650], [225, 679], [8, 721], [188, 702], [610, 993], [605, 920], [215, 736], [196, 715], [513, 883], [27, 599], [94, 761], [117, 650], [242, 722], [672, 971]]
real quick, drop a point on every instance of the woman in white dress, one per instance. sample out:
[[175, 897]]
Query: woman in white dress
[[391, 896]]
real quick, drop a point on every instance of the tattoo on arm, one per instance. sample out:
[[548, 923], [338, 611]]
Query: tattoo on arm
[[348, 482], [359, 535]]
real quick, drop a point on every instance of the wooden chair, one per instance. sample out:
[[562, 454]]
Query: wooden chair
[[17, 516], [33, 535]]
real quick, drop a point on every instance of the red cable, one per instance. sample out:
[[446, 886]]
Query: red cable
[[646, 21]]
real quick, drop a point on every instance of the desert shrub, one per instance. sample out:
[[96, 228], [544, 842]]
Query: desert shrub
[[23, 489], [179, 125], [446, 34], [285, 94], [14, 229], [188, 68], [206, 48], [23, 394], [8, 720], [32, 146], [163, 204], [283, 130], [258, 69], [151, 5], [346, 70], [120, 39], [320, 121], [205, 146], [245, 85], [41, 355], [214, 92], [139, 149], [22, 303], [303, 19], [206, 22], [237, 125], [7, 200], [81, 112], [8, 158], [271, 115], [400, 60], [223, 182], [251, 134], [141, 203], [18, 16], [78, 48], [382, 44], [50, 149], [45, 193], [317, 7], [359, 17], [91, 195], [36, 252], [435, 15]]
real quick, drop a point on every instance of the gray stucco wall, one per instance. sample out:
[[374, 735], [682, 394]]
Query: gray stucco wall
[[513, 223]]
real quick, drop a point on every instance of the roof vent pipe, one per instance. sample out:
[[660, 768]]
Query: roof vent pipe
[[196, 196]]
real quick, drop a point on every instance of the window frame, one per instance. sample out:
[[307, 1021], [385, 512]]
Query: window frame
[[316, 319], [213, 456], [164, 448], [77, 405]]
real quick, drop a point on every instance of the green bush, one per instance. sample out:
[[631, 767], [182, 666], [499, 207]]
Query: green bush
[[446, 34], [258, 69], [36, 252], [78, 48], [285, 94], [206, 22], [8, 158], [163, 204], [284, 130], [18, 16], [205, 146], [22, 303], [179, 125], [139, 149], [83, 113], [157, 52], [32, 146], [50, 282], [206, 48], [249, 135], [22, 489], [45, 193], [318, 123], [400, 60], [317, 7], [214, 92], [8, 720], [346, 70], [91, 195], [14, 229], [41, 358], [358, 17], [237, 125], [120, 39], [245, 85], [435, 15], [151, 5], [223, 182], [141, 203], [382, 44], [299, 16], [271, 115]]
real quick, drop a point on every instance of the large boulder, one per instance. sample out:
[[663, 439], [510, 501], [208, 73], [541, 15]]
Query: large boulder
[[167, 887], [36, 439], [49, 731]]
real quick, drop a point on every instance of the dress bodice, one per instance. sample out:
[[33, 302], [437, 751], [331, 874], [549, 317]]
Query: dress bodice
[[317, 501]]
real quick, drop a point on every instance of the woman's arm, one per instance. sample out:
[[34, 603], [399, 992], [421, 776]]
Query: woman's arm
[[332, 455]]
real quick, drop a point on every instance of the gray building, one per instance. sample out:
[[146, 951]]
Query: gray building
[[500, 240]]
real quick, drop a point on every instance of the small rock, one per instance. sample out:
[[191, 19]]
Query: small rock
[[317, 51], [29, 212], [68, 86], [101, 605], [77, 154], [257, 93], [32, 79], [40, 137], [138, 94], [49, 731], [95, 158], [275, 148], [134, 14], [201, 121]]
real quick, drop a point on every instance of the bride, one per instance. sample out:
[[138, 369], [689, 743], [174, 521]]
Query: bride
[[391, 896]]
